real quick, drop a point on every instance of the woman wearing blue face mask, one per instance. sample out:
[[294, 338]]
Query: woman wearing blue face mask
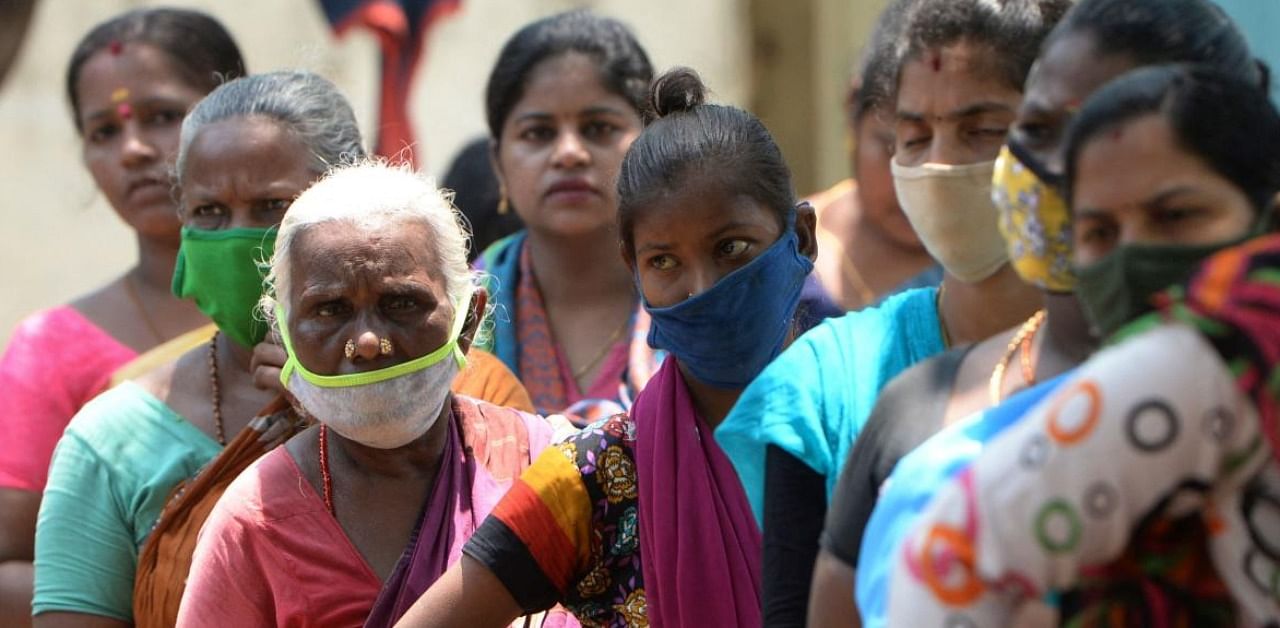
[[640, 520], [1172, 175]]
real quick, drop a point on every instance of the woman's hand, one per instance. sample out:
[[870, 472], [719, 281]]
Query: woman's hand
[[267, 361]]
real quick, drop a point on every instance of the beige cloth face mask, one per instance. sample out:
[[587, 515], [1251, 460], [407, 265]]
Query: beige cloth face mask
[[951, 210]]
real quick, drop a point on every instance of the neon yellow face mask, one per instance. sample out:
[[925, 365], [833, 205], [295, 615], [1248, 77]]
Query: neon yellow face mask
[[1035, 223], [449, 348]]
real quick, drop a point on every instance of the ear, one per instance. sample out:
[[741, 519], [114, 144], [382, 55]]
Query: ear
[[475, 315], [807, 230]]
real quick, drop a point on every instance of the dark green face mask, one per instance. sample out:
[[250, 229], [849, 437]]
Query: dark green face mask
[[222, 270], [1118, 288]]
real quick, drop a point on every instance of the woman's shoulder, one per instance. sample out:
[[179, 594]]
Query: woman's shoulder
[[269, 489], [63, 338]]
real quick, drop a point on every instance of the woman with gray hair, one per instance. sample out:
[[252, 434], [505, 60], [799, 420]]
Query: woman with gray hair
[[246, 151], [376, 308]]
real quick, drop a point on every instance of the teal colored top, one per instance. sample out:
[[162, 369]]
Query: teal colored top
[[114, 468], [813, 400]]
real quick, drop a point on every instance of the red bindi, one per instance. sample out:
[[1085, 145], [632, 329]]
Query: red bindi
[[124, 111], [1116, 134], [116, 47], [935, 61]]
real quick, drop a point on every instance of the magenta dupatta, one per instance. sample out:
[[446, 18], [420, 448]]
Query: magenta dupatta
[[699, 544]]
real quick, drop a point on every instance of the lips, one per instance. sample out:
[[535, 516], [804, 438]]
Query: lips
[[575, 187], [147, 185]]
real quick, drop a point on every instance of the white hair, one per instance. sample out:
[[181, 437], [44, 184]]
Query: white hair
[[374, 196]]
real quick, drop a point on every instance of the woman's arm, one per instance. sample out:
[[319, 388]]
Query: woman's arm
[[18, 511], [831, 602], [1155, 418], [795, 505], [468, 595]]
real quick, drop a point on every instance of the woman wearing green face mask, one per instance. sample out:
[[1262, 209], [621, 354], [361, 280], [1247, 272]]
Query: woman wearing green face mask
[[245, 152], [1173, 175]]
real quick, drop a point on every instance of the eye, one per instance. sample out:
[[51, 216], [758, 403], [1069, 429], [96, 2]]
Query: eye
[[165, 117], [1096, 233], [1035, 133], [985, 133], [274, 207], [538, 133], [1173, 216], [330, 309], [102, 133], [400, 303], [733, 248], [662, 262], [598, 129]]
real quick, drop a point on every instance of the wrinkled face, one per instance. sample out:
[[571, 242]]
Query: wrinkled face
[[687, 240], [952, 107], [243, 172], [1066, 74], [347, 283], [132, 102], [561, 148], [873, 150], [1136, 185]]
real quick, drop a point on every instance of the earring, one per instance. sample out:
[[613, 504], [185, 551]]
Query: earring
[[349, 349], [384, 346], [503, 206]]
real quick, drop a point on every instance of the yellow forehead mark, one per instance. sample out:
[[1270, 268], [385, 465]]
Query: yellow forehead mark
[[120, 95]]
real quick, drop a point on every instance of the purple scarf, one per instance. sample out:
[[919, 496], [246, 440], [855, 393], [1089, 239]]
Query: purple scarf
[[462, 495], [699, 544]]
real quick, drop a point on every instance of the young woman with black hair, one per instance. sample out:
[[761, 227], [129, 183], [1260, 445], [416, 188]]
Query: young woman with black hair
[[129, 81], [641, 520]]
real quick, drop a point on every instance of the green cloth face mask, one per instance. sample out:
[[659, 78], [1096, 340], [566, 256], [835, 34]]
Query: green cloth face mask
[[222, 271], [448, 349], [1118, 288]]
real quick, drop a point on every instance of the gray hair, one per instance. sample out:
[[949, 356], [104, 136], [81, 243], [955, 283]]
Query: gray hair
[[307, 104], [374, 197]]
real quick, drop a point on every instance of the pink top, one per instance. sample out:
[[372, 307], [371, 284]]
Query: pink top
[[289, 560], [56, 361]]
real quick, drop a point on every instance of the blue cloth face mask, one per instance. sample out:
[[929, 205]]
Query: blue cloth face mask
[[728, 334]]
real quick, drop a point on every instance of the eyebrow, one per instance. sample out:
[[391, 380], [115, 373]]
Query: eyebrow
[[976, 109], [1170, 193], [595, 110], [718, 233], [154, 101]]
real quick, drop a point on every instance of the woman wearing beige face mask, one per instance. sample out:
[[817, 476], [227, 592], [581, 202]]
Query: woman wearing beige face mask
[[960, 66]]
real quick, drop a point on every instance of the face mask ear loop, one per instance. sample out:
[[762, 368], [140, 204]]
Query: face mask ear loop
[[460, 321]]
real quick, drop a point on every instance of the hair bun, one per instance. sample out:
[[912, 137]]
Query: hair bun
[[679, 89]]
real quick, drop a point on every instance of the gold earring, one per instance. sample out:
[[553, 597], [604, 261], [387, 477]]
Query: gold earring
[[503, 207], [349, 349], [384, 346]]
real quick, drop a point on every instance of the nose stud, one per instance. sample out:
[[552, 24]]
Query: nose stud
[[385, 347], [349, 349]]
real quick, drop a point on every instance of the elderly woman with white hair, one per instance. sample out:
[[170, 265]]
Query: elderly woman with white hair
[[354, 518]]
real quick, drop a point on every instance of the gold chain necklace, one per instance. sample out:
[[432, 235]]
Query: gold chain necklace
[[1021, 339], [608, 345]]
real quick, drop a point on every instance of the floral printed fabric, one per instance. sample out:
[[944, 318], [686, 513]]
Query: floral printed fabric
[[568, 531]]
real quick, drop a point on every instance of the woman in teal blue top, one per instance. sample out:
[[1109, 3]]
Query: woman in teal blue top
[[245, 152], [959, 67]]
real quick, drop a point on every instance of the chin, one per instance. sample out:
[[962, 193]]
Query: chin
[[160, 222]]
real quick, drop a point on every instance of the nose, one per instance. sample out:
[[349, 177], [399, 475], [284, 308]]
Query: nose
[[136, 150], [570, 151], [945, 151], [701, 279], [368, 345]]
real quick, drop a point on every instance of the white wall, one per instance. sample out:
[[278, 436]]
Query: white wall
[[60, 237]]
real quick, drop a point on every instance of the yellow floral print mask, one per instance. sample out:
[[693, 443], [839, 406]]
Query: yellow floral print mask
[[1035, 223]]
